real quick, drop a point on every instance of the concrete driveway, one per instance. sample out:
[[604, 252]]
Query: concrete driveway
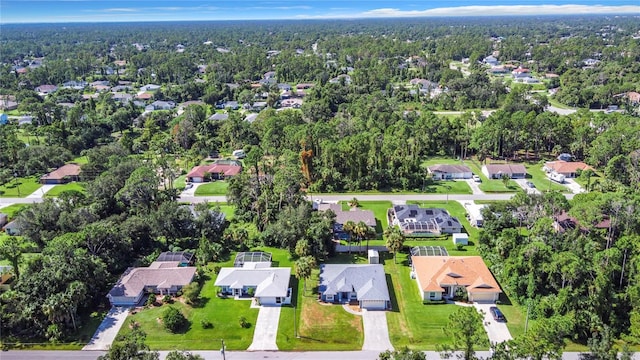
[[191, 191], [376, 332], [523, 184], [497, 331], [573, 186], [108, 329], [264, 335], [39, 194], [475, 187]]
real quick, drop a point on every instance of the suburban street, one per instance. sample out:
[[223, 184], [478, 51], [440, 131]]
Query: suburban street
[[240, 355]]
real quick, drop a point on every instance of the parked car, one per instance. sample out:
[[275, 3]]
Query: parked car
[[188, 186], [476, 178], [497, 314], [530, 184]]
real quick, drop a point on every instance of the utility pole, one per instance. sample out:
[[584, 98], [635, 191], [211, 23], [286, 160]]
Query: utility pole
[[222, 350]]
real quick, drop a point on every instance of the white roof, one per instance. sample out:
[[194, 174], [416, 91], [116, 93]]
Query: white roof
[[269, 282]]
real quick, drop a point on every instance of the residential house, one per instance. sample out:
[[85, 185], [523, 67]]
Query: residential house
[[269, 75], [498, 70], [218, 170], [564, 222], [163, 105], [291, 103], [219, 116], [590, 62], [120, 88], [62, 175], [251, 117], [520, 73], [46, 89], [76, 85], [4, 218], [8, 102], [269, 286], [122, 98], [565, 157], [364, 284], [13, 228], [496, 171], [304, 86], [416, 221], [25, 120], [342, 217], [448, 172], [491, 60], [284, 87], [566, 168], [144, 96], [633, 97], [445, 277], [161, 277], [340, 78]]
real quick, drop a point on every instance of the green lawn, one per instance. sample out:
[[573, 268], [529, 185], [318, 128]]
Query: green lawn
[[58, 189], [179, 183], [13, 210], [411, 323], [540, 179], [20, 187], [212, 188], [226, 209], [80, 160]]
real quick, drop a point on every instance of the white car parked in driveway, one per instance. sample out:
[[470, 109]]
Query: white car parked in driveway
[[476, 178]]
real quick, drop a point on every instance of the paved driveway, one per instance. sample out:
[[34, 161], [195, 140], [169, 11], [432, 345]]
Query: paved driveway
[[523, 184], [264, 336], [497, 331], [192, 190], [376, 332], [108, 329], [573, 186], [39, 194], [475, 186]]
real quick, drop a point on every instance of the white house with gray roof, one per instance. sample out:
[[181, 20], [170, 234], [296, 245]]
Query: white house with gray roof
[[270, 286], [365, 284]]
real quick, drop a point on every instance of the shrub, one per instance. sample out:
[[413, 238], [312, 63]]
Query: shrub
[[216, 269], [174, 320], [244, 323], [167, 299], [206, 324], [151, 299], [191, 293]]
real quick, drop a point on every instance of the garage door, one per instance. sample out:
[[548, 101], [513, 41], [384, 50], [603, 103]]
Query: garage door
[[373, 304], [483, 297]]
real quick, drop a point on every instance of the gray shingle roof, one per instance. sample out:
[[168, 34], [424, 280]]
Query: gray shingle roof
[[367, 280], [135, 280]]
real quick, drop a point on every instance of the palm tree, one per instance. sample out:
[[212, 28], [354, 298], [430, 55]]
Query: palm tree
[[349, 228], [303, 268], [362, 232], [395, 240]]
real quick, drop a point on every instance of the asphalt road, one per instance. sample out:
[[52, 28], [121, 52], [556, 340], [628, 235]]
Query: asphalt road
[[240, 355]]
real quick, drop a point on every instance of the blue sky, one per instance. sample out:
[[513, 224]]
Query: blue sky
[[60, 11]]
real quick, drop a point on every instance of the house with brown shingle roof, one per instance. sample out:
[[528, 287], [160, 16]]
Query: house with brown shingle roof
[[495, 171], [567, 168], [448, 172], [62, 175], [440, 277]]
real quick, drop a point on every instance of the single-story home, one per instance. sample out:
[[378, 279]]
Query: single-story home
[[161, 277], [495, 171], [219, 116], [270, 286], [447, 172], [46, 89], [62, 175], [365, 284], [440, 277], [218, 170], [13, 228], [568, 169], [416, 221], [342, 217]]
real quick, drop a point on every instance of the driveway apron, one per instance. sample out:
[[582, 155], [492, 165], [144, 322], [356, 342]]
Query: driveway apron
[[108, 329], [264, 336], [376, 332]]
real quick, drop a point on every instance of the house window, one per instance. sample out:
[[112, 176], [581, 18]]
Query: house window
[[329, 297]]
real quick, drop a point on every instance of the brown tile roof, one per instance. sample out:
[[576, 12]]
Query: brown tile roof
[[563, 167], [62, 172], [434, 272], [226, 169], [135, 280], [145, 96], [633, 97]]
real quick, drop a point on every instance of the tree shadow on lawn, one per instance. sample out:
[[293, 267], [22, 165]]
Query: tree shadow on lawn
[[201, 303], [504, 298]]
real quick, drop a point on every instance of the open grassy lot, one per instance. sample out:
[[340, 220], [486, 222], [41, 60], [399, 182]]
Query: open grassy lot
[[411, 323], [20, 187], [58, 189], [212, 188]]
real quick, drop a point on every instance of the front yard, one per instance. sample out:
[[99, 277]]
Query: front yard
[[20, 187], [58, 189], [213, 188]]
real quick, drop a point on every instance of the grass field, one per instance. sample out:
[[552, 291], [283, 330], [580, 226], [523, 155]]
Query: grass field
[[13, 210], [20, 187], [80, 160], [212, 188], [541, 181], [179, 183], [58, 189]]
